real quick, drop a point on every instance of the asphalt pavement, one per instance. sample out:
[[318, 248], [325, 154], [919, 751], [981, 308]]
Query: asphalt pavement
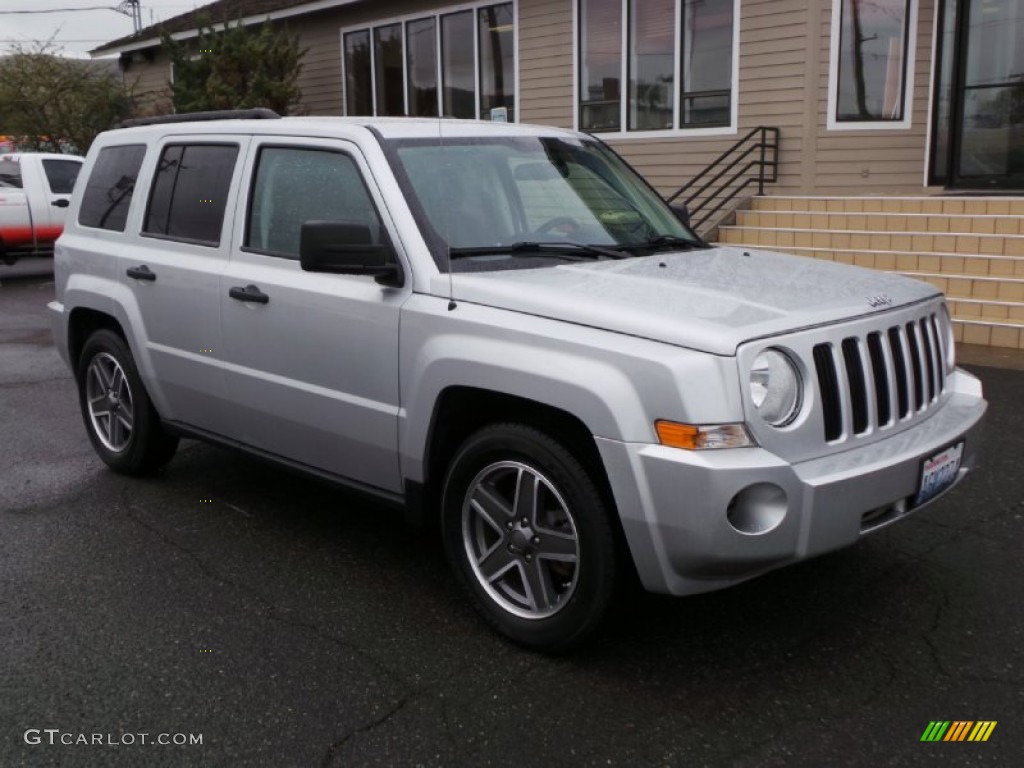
[[285, 623]]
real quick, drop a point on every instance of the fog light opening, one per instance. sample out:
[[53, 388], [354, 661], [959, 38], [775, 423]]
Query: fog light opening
[[757, 509]]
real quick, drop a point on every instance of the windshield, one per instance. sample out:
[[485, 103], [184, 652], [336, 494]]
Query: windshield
[[479, 196]]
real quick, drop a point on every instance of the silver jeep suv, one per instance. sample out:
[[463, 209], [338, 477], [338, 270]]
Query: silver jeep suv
[[503, 329]]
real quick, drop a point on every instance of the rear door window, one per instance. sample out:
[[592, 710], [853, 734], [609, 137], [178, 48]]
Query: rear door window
[[109, 189], [190, 192], [61, 175]]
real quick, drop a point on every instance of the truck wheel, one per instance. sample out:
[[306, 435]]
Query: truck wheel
[[121, 422], [528, 533]]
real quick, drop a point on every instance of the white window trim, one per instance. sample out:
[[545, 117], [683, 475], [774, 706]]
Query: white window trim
[[436, 14], [719, 130], [910, 62]]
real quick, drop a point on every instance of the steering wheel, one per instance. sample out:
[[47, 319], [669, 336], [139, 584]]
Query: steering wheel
[[559, 221]]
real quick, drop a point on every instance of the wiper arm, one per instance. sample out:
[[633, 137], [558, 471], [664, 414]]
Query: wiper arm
[[559, 248], [683, 243]]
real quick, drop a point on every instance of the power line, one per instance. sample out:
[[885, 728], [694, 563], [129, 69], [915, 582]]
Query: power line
[[64, 10]]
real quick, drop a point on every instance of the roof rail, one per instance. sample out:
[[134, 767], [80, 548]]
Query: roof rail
[[258, 113]]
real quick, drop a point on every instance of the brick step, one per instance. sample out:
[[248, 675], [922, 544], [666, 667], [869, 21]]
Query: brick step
[[859, 240], [1003, 289], [959, 224], [987, 310], [893, 261], [1007, 335], [992, 206]]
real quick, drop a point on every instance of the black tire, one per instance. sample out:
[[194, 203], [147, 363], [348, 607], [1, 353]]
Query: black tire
[[138, 449], [569, 598]]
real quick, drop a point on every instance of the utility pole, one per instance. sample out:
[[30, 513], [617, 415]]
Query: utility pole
[[132, 8]]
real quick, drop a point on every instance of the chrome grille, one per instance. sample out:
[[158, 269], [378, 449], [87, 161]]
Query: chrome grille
[[874, 380]]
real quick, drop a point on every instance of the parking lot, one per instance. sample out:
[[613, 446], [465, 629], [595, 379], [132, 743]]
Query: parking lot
[[289, 624]]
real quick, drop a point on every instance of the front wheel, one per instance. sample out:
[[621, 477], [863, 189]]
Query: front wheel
[[121, 422], [528, 533]]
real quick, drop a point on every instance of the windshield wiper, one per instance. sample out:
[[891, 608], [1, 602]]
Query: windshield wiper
[[682, 243], [560, 248]]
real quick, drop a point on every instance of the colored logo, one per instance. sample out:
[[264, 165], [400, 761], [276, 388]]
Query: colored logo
[[958, 730]]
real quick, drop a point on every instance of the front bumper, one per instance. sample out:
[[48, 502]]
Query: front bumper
[[673, 503]]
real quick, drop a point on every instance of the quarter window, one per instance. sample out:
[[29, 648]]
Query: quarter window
[[108, 192], [678, 64], [295, 185], [61, 175], [396, 68], [190, 191]]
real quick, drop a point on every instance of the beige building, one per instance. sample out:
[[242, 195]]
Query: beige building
[[905, 99]]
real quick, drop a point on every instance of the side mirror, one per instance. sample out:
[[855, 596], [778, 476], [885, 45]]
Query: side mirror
[[682, 213], [346, 248]]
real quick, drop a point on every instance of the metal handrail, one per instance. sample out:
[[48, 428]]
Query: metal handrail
[[698, 194]]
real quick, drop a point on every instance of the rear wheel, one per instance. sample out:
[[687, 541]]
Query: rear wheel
[[528, 533], [121, 422]]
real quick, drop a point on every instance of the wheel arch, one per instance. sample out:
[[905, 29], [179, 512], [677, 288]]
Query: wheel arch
[[461, 410], [83, 322]]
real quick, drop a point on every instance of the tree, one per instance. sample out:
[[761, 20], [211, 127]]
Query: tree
[[236, 68], [54, 104]]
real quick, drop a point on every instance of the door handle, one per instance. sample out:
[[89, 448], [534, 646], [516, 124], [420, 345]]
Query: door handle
[[61, 203], [249, 293], [141, 272]]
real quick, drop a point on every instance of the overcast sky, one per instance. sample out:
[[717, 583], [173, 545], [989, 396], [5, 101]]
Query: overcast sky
[[76, 32]]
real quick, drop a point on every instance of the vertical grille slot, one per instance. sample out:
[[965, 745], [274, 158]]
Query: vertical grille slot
[[828, 387], [881, 377], [940, 353], [929, 356], [858, 389], [915, 359], [899, 364]]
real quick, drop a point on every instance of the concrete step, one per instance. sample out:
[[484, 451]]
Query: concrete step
[[971, 205]]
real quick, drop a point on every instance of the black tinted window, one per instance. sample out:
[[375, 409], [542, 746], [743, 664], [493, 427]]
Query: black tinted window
[[10, 173], [190, 190], [108, 192], [297, 185], [61, 175]]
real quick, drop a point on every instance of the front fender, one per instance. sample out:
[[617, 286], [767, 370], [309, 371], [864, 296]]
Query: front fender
[[616, 385]]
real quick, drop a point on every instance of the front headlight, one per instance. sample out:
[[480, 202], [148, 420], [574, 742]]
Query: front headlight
[[775, 387]]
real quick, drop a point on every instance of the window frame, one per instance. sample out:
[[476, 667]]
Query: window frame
[[185, 142], [437, 14], [623, 133], [909, 65]]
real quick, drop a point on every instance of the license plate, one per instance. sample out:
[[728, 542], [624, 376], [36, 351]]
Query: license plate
[[939, 472]]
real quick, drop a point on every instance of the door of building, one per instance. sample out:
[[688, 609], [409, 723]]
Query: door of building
[[978, 129]]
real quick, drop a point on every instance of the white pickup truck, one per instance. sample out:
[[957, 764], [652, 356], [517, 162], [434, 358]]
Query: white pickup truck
[[35, 190]]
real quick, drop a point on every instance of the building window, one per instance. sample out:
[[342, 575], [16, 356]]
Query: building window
[[870, 76], [459, 64], [677, 58], [421, 70], [358, 76]]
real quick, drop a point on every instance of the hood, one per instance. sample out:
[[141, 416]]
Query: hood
[[712, 300]]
